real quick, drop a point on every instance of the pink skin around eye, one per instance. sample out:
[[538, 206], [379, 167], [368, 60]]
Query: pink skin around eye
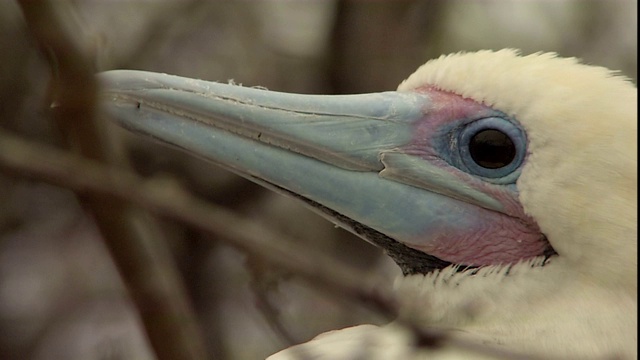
[[493, 237]]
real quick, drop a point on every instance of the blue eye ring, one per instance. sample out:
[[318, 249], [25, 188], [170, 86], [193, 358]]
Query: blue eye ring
[[514, 141]]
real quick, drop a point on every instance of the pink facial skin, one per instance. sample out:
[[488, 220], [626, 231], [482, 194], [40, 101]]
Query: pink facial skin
[[493, 237]]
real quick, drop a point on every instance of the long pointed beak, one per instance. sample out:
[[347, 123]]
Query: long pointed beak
[[345, 131], [327, 150], [323, 148]]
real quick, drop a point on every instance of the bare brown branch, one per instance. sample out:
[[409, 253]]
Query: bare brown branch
[[143, 261]]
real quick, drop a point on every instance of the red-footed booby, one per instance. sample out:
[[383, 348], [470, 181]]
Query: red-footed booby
[[504, 186]]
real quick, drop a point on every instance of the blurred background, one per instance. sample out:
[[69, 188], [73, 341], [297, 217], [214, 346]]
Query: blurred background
[[60, 294]]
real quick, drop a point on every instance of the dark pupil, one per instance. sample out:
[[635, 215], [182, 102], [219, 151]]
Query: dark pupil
[[492, 149]]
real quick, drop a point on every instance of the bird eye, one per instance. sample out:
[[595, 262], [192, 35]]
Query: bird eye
[[491, 147]]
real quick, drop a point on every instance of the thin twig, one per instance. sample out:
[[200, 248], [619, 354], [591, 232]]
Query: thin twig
[[143, 260]]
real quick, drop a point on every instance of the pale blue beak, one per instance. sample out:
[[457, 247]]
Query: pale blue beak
[[325, 150]]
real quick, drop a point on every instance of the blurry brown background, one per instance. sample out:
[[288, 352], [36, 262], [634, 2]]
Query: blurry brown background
[[60, 295]]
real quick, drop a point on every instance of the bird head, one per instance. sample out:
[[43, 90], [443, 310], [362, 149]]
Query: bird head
[[578, 179], [479, 159]]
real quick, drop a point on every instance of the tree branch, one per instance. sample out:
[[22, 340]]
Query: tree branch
[[135, 245]]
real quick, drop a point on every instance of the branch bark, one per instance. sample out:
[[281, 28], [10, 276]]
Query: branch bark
[[135, 245]]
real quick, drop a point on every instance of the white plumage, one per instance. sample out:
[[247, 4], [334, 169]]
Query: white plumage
[[579, 183]]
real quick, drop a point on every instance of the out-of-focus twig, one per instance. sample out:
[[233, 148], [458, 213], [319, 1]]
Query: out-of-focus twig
[[135, 245], [167, 198]]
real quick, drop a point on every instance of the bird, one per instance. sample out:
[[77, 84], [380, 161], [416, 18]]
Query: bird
[[503, 185]]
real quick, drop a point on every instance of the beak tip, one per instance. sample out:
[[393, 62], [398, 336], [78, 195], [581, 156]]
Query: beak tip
[[126, 80]]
